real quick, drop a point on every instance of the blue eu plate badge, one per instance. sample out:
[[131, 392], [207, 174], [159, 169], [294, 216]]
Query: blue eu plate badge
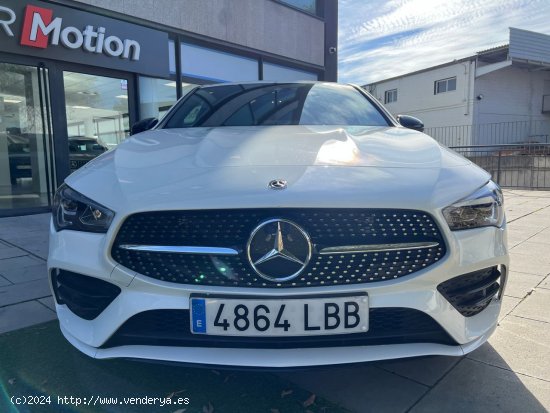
[[198, 315]]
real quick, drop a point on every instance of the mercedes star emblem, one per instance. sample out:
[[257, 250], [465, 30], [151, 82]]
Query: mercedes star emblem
[[277, 184], [278, 250]]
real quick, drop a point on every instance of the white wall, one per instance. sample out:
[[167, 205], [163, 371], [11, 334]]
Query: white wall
[[512, 98], [510, 94], [415, 96], [259, 24], [509, 112]]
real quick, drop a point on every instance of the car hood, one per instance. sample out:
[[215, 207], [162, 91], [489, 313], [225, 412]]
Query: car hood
[[230, 167]]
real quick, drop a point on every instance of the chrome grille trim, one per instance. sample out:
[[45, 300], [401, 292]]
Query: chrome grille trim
[[355, 249], [175, 249]]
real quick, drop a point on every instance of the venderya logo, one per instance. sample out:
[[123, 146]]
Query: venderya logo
[[41, 29]]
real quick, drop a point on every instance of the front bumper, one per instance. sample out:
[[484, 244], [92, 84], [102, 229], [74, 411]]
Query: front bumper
[[468, 251], [276, 358]]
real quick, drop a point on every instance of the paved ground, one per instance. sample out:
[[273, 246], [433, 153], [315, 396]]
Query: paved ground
[[510, 373], [25, 297], [39, 361]]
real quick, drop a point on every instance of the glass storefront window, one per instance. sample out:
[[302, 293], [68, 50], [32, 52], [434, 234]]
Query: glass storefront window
[[185, 87], [282, 73], [216, 66], [307, 5], [97, 115], [156, 96], [24, 147]]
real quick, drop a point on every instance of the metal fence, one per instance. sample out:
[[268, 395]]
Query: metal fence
[[492, 133], [524, 165]]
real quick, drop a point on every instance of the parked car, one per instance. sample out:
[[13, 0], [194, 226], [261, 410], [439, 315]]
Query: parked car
[[278, 225], [81, 151]]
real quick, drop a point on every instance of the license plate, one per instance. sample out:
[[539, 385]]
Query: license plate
[[269, 317]]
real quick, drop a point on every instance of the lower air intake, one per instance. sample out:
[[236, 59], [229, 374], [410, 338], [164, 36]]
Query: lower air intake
[[471, 293], [85, 296]]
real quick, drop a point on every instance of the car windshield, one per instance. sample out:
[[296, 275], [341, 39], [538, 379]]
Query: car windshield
[[275, 104]]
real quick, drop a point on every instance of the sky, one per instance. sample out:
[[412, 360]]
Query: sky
[[379, 39]]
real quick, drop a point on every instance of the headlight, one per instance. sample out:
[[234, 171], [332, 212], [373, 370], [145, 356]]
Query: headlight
[[72, 210], [484, 208]]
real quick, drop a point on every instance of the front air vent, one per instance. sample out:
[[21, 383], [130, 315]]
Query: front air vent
[[85, 296], [471, 293]]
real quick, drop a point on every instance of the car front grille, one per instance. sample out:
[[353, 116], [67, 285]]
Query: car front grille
[[471, 293], [326, 227], [78, 163], [386, 326]]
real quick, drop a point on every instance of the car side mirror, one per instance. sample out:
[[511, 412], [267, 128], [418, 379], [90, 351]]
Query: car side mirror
[[411, 122], [143, 125]]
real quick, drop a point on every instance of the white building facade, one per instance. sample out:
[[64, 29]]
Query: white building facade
[[500, 95]]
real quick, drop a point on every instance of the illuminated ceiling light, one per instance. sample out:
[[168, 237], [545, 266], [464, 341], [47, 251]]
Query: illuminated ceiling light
[[11, 98], [122, 96], [80, 107]]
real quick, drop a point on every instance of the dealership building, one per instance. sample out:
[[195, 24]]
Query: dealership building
[[76, 74]]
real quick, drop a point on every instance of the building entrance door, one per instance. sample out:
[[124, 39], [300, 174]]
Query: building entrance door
[[91, 113], [26, 174]]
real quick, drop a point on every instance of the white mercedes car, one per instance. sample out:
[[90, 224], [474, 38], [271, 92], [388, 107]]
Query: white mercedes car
[[278, 225]]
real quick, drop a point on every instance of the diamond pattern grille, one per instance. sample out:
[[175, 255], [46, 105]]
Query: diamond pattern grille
[[232, 228]]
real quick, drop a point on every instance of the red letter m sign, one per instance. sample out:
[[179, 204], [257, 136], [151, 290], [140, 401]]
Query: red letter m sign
[[37, 25]]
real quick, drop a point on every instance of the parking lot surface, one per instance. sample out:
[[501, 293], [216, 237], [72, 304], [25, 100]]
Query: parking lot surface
[[510, 373]]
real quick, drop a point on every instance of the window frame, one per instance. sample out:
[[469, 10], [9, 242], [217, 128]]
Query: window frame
[[266, 62], [319, 12], [446, 80], [389, 93], [253, 61]]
